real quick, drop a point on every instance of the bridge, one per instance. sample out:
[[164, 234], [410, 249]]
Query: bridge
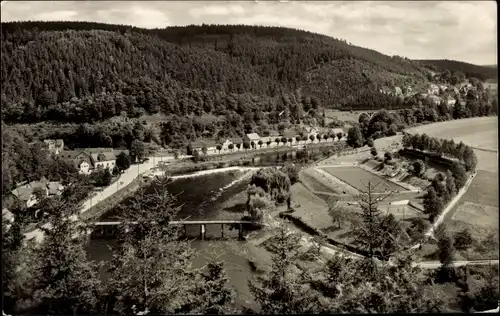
[[103, 227]]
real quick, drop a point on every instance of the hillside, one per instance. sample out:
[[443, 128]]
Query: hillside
[[49, 67], [469, 70]]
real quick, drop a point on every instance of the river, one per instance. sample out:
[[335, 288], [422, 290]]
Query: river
[[209, 195]]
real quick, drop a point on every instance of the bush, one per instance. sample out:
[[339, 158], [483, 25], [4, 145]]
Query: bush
[[463, 240], [388, 155], [374, 152]]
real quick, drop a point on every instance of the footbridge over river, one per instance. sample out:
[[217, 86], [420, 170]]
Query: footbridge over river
[[109, 228]]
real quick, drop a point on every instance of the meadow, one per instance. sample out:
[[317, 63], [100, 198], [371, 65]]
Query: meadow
[[359, 178]]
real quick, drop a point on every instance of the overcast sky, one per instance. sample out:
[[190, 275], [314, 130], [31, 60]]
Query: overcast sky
[[458, 30]]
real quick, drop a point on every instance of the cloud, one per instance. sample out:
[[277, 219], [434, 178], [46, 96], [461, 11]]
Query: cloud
[[461, 30]]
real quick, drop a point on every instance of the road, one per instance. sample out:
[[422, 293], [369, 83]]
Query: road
[[437, 264], [125, 179]]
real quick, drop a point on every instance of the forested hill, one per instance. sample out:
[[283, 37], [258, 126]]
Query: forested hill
[[470, 70], [78, 71]]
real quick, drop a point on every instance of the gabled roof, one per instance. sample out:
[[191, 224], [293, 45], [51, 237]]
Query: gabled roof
[[103, 156], [337, 130], [70, 154], [209, 143], [7, 215], [23, 193]]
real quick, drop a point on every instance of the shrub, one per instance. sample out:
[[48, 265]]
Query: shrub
[[463, 240]]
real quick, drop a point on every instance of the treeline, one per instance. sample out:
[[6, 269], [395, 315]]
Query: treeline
[[461, 152], [383, 123], [75, 71], [457, 67]]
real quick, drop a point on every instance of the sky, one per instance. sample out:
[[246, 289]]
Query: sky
[[458, 30]]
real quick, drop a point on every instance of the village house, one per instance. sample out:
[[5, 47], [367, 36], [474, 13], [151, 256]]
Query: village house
[[210, 145], [308, 131], [265, 139], [54, 146], [29, 193], [252, 137], [81, 160], [87, 160], [288, 134], [103, 160], [236, 140]]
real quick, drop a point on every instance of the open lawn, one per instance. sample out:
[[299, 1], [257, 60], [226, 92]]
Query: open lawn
[[479, 132], [309, 178], [359, 178], [310, 208]]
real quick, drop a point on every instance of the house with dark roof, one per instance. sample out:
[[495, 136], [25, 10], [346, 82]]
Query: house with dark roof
[[30, 193], [103, 160], [81, 160]]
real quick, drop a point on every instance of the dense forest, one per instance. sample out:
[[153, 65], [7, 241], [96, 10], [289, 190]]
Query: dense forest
[[470, 70], [74, 71]]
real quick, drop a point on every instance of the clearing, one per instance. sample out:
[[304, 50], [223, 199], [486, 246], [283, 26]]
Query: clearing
[[359, 178]]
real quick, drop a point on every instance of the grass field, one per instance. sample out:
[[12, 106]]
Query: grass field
[[309, 207], [359, 178], [477, 132]]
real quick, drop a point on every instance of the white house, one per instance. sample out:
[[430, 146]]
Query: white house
[[252, 137], [103, 160], [83, 167], [28, 193]]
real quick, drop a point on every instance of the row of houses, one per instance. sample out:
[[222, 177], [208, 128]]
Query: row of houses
[[211, 146]]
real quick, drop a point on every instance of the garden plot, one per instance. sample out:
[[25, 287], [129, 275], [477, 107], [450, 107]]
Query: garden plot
[[359, 178]]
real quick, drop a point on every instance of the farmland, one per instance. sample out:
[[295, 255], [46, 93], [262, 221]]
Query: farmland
[[480, 133], [359, 178], [477, 211]]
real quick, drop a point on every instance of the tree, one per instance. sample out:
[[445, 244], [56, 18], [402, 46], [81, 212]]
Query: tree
[[259, 205], [354, 137], [450, 184], [311, 137], [204, 150], [196, 155], [290, 140], [298, 139], [66, 282], [292, 171], [340, 135], [370, 143], [151, 271], [336, 213], [238, 146], [138, 151], [231, 147], [277, 140], [318, 137], [261, 143], [374, 152], [219, 147], [432, 204], [284, 140], [463, 239], [274, 182], [470, 159], [246, 145], [387, 155], [252, 143], [281, 291], [459, 174], [123, 161], [325, 137], [176, 155], [445, 250], [268, 143], [418, 168], [103, 178], [213, 295]]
